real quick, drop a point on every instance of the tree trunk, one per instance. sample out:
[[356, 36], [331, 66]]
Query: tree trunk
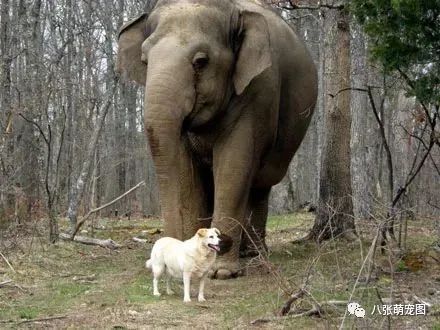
[[335, 205], [6, 115], [53, 224]]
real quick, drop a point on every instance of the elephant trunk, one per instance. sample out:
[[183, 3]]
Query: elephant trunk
[[169, 98]]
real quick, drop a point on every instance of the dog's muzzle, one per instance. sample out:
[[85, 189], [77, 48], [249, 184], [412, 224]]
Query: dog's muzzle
[[214, 247]]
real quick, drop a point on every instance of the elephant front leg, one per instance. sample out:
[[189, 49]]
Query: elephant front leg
[[182, 197], [192, 195], [233, 168], [253, 240]]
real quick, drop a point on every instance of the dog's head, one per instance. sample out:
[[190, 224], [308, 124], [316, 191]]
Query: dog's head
[[210, 238]]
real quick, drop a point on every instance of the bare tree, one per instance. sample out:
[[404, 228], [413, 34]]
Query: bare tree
[[335, 206], [77, 189]]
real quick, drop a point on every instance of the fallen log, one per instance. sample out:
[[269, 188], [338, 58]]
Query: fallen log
[[140, 240], [105, 243]]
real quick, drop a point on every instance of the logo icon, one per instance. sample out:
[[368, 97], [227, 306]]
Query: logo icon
[[355, 309]]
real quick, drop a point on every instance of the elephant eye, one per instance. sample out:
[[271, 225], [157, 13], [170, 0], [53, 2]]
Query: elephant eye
[[200, 61]]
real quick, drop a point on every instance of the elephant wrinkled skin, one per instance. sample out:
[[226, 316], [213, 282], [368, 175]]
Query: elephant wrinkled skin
[[229, 93]]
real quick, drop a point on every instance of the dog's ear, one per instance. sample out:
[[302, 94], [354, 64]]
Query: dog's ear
[[225, 244], [217, 231], [202, 232]]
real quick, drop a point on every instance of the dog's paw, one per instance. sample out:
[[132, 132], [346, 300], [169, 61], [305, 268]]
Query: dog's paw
[[170, 292], [202, 299], [186, 299], [157, 294]]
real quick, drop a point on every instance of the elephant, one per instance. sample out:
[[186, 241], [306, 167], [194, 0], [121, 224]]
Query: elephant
[[230, 89]]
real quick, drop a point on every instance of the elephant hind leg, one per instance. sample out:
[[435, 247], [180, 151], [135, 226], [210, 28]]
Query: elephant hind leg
[[253, 239]]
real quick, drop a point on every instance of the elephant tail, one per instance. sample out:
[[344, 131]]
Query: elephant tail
[[148, 264]]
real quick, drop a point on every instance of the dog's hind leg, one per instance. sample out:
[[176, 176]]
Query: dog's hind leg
[[169, 291], [157, 272], [186, 286]]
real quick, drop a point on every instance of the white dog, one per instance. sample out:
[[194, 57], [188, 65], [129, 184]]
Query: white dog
[[191, 258]]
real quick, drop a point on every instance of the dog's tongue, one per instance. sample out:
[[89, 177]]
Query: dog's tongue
[[215, 247]]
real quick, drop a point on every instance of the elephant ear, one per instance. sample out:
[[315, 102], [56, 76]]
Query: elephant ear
[[129, 62], [254, 54]]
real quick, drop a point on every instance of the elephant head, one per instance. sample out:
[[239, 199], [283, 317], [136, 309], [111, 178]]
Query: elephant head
[[193, 57]]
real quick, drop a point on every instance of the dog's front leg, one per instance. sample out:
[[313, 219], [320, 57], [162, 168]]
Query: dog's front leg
[[186, 286], [202, 289]]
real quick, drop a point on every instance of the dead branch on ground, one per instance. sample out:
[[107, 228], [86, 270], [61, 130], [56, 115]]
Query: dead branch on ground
[[44, 319], [139, 240], [2, 284], [7, 262], [105, 243]]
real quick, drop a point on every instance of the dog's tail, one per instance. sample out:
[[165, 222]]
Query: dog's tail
[[148, 264]]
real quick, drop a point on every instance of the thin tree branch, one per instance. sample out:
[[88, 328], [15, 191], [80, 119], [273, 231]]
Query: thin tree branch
[[413, 165], [418, 138], [80, 223], [347, 89], [425, 108], [7, 262], [385, 143], [411, 178], [36, 125]]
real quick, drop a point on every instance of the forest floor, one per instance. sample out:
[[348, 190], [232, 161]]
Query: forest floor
[[75, 286]]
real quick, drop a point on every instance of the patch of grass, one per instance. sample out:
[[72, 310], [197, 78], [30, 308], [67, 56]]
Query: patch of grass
[[244, 305], [56, 296], [258, 304], [27, 313], [139, 291], [287, 221]]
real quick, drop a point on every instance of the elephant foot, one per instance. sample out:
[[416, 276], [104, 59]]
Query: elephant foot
[[225, 270], [252, 249], [248, 253]]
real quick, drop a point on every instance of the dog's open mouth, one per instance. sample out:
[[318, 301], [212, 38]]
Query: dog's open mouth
[[214, 247]]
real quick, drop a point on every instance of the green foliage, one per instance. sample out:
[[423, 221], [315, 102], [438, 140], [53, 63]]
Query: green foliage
[[27, 313], [405, 37], [401, 266]]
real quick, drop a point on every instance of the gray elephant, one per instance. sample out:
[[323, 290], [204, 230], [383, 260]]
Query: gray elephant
[[230, 90]]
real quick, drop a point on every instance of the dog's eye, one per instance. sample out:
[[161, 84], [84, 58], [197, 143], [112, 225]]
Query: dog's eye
[[211, 236]]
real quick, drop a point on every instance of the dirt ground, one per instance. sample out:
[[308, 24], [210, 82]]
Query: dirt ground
[[75, 286]]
